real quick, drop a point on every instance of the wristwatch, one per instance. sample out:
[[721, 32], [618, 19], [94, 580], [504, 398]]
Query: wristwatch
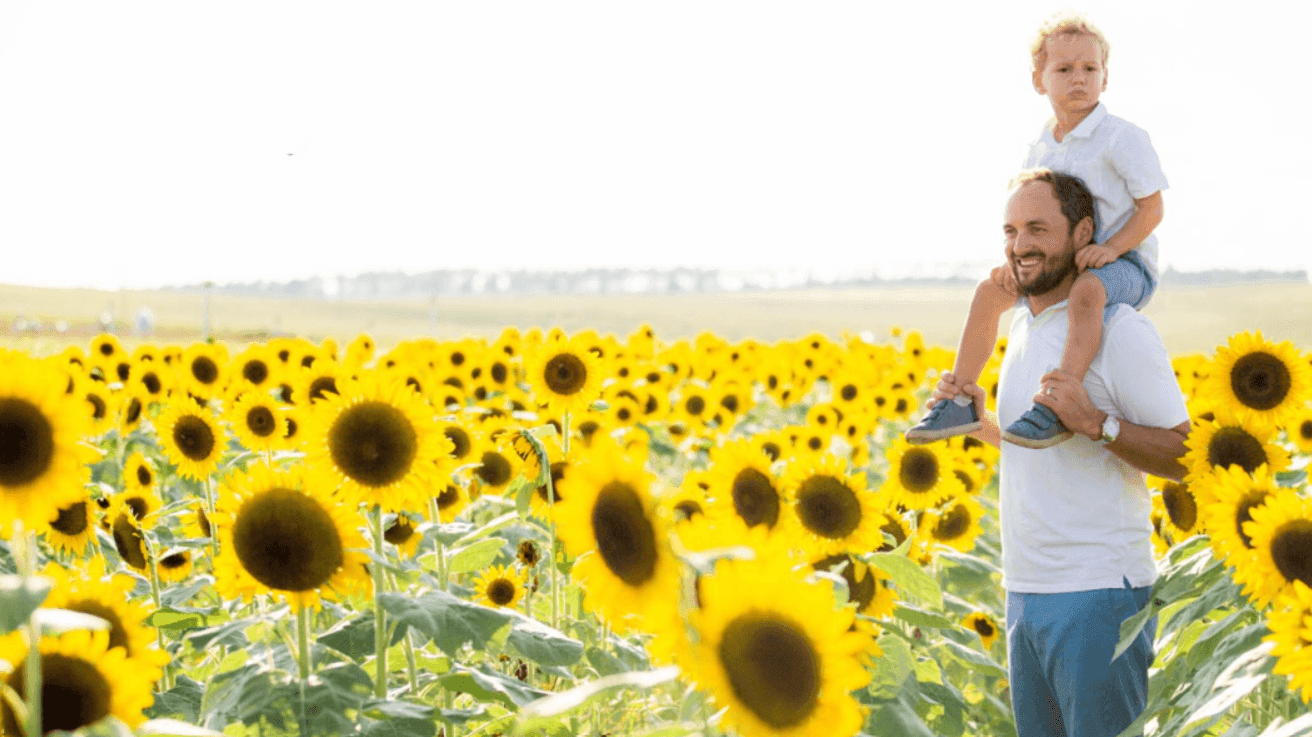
[[1111, 429]]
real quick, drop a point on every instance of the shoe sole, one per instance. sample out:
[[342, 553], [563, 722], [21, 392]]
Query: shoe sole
[[1037, 444], [930, 436]]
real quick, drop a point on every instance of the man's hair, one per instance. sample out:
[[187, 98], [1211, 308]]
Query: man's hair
[[1067, 22], [1074, 197]]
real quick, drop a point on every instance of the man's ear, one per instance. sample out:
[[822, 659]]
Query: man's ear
[[1084, 232]]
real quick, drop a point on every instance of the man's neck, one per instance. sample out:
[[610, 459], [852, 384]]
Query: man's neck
[[1041, 302]]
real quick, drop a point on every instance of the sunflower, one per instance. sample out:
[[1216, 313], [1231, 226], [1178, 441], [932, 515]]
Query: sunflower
[[564, 375], [197, 523], [174, 566], [317, 381], [741, 484], [292, 436], [1281, 531], [128, 540], [379, 442], [152, 382], [204, 369], [920, 476], [83, 680], [1299, 427], [862, 584], [42, 457], [102, 405], [73, 528], [982, 625], [1288, 621], [775, 653], [138, 474], [278, 538], [607, 520], [89, 591], [496, 469], [258, 422], [131, 411], [191, 439], [450, 502], [830, 511], [1183, 511], [500, 586], [105, 347], [1235, 496], [542, 500], [956, 525], [1267, 379], [1230, 440], [401, 533]]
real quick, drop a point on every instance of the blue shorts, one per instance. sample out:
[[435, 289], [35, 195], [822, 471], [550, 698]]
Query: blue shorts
[[1064, 682], [1126, 281]]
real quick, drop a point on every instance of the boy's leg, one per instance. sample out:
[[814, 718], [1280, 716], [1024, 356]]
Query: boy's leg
[[1087, 300], [978, 338]]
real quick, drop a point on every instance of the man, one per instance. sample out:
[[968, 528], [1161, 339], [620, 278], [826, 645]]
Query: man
[[1076, 550]]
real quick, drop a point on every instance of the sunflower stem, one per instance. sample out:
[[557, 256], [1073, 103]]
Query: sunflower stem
[[551, 504], [23, 544], [380, 617], [303, 659], [154, 595], [210, 517], [412, 667]]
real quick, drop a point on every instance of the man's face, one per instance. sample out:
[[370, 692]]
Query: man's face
[[1039, 244], [1073, 77]]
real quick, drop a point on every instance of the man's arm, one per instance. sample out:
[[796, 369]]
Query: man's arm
[[1154, 450]]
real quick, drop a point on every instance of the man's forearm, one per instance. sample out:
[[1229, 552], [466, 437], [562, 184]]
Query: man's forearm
[[1154, 450]]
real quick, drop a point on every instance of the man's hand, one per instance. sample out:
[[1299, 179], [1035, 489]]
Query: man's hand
[[1064, 395], [1093, 255], [1004, 278]]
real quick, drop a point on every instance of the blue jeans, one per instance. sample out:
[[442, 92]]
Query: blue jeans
[[1064, 682]]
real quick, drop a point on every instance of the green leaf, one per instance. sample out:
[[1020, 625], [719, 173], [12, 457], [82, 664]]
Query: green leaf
[[493, 525], [174, 728], [921, 618], [521, 490], [898, 716], [1291, 478], [909, 577], [1133, 625], [605, 663], [1297, 728], [231, 635], [354, 637], [475, 556], [541, 643], [240, 695], [977, 661], [489, 686], [167, 618], [449, 621], [19, 597], [110, 726], [400, 727], [332, 692], [891, 669], [183, 700], [1244, 674], [446, 534], [398, 710], [558, 704], [176, 596]]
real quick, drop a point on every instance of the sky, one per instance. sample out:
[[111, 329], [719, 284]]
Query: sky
[[150, 143]]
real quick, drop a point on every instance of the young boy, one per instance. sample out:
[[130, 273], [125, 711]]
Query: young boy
[[1118, 164]]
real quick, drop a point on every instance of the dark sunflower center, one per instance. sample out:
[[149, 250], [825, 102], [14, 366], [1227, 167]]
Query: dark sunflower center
[[256, 372], [27, 442], [495, 469], [772, 450], [129, 542], [204, 370], [919, 470], [74, 694], [898, 534], [828, 507], [772, 667], [1305, 430], [449, 496], [194, 437], [1233, 446], [143, 476], [321, 386], [528, 553], [459, 440], [400, 531], [565, 374], [292, 427], [1181, 506], [695, 405], [287, 541], [501, 592], [1291, 550], [175, 561], [730, 403], [133, 411], [499, 372], [687, 509], [863, 591], [106, 349], [1244, 513], [72, 520], [204, 523], [965, 479], [152, 382], [118, 634], [984, 628], [97, 406], [260, 421], [138, 506], [373, 443], [755, 498], [1260, 380], [557, 475], [953, 524], [626, 539]]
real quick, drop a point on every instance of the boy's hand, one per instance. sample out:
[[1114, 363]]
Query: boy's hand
[[1002, 276], [1093, 255]]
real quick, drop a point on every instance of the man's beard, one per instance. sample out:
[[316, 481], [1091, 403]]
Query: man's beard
[[1049, 278]]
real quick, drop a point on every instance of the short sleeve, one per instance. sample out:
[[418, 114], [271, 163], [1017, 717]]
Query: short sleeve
[[1135, 160], [1139, 374]]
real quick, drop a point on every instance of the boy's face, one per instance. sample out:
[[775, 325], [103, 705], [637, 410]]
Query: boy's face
[[1073, 76]]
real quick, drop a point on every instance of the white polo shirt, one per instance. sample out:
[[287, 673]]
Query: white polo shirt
[[1074, 517], [1117, 163]]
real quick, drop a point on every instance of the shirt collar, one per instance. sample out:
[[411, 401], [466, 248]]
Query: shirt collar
[[1086, 127]]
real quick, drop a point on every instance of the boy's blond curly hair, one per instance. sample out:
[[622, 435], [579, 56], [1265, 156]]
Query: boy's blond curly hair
[[1067, 21]]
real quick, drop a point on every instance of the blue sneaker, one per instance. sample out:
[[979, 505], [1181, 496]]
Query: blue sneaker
[[946, 419], [1037, 428]]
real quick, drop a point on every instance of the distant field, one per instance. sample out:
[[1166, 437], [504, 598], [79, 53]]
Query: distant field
[[1189, 318]]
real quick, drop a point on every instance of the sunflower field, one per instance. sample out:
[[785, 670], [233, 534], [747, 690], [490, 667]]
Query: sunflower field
[[548, 534]]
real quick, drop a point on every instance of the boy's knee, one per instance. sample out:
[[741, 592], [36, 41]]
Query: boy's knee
[[1088, 291]]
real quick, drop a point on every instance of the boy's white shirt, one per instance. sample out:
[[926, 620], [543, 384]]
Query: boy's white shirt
[[1074, 517], [1117, 163]]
